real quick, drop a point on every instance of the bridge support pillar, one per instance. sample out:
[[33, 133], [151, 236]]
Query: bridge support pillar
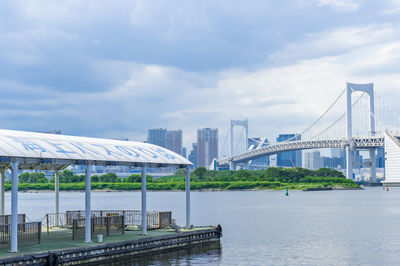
[[232, 166], [372, 169], [349, 163]]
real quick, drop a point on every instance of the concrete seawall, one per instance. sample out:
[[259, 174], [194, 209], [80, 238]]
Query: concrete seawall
[[119, 250]]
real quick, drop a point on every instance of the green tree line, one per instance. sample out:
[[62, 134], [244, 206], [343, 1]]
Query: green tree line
[[200, 174], [201, 178]]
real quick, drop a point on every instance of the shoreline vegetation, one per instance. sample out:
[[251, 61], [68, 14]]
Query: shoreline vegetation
[[273, 178]]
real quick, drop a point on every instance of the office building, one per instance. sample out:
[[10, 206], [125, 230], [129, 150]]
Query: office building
[[380, 157], [174, 141], [207, 145], [290, 158], [193, 155], [170, 139], [312, 160], [157, 136]]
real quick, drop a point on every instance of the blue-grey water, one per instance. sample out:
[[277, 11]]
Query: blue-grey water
[[264, 227]]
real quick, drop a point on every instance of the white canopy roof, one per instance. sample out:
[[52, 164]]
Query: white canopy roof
[[49, 149]]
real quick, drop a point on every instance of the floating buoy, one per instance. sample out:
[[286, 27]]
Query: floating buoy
[[287, 191], [387, 188]]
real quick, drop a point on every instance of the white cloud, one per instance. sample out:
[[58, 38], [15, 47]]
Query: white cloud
[[337, 41], [346, 5], [145, 59], [393, 9]]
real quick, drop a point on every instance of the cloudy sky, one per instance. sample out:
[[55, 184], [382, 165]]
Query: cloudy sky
[[115, 68]]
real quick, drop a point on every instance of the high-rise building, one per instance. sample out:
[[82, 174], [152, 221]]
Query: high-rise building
[[380, 157], [207, 141], [337, 159], [170, 139], [312, 160], [174, 141], [157, 136], [256, 143], [184, 152], [290, 158], [193, 155]]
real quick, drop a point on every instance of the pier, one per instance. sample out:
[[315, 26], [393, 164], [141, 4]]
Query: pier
[[88, 236], [60, 249]]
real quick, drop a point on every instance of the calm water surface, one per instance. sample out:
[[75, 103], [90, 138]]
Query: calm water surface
[[264, 227]]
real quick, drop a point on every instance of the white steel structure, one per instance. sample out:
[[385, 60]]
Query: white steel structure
[[245, 125], [369, 89], [28, 150], [392, 160]]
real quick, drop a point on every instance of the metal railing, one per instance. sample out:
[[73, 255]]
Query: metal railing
[[106, 225], [132, 218], [28, 233], [6, 219]]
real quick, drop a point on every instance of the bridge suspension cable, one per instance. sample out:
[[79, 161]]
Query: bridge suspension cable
[[341, 117]]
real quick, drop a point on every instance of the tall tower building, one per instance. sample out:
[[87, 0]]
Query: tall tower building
[[193, 155], [157, 136], [312, 160], [174, 141], [290, 158], [207, 142]]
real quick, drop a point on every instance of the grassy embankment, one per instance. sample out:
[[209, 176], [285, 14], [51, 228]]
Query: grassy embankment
[[201, 179]]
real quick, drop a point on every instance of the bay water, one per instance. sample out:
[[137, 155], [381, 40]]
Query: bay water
[[359, 227]]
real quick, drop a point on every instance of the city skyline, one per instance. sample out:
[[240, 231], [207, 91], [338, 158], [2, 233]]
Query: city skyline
[[114, 70]]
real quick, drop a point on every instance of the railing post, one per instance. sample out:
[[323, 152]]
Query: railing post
[[123, 224], [92, 226], [39, 231], [108, 225], [73, 229], [47, 222]]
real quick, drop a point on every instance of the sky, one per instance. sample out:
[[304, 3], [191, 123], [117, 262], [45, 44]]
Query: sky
[[115, 68]]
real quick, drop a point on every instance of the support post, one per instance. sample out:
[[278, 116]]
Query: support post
[[232, 166], [349, 130], [2, 191], [88, 214], [57, 195], [14, 205], [372, 152], [349, 163], [144, 211], [188, 196]]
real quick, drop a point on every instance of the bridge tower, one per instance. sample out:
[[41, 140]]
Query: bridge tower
[[243, 123], [369, 89]]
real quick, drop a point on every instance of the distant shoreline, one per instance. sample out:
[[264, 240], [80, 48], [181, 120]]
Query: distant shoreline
[[194, 190]]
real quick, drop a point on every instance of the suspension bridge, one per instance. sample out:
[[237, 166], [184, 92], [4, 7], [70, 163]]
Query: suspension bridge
[[354, 121]]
